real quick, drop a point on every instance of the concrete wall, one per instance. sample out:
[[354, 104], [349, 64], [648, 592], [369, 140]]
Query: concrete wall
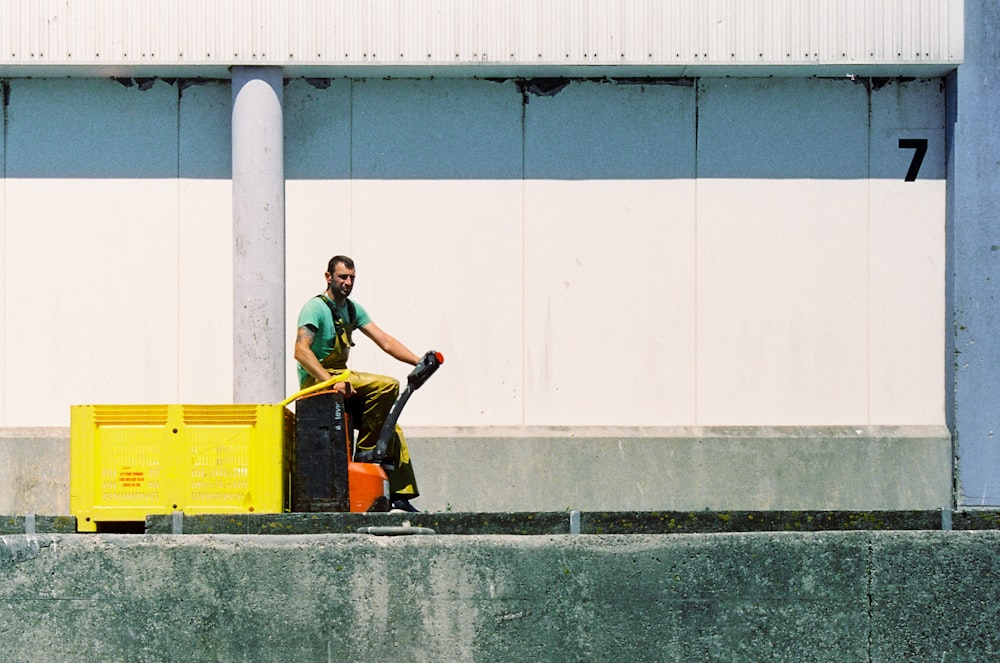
[[687, 468], [974, 352], [34, 471], [595, 469], [858, 596]]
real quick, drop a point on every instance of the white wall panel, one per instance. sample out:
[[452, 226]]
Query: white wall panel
[[782, 252], [437, 223], [205, 247], [205, 291], [779, 273], [440, 266], [609, 261], [317, 193], [907, 302], [609, 318], [782, 302], [907, 255], [92, 264], [118, 258], [433, 219], [92, 296], [317, 227]]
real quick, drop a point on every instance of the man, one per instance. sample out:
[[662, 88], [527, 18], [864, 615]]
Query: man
[[322, 346]]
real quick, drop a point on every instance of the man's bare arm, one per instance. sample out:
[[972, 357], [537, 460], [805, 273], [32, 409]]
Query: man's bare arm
[[389, 344], [307, 358]]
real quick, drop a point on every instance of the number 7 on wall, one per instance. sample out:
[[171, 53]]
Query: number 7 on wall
[[920, 147]]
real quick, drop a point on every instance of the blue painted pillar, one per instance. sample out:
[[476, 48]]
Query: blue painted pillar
[[974, 256], [259, 353]]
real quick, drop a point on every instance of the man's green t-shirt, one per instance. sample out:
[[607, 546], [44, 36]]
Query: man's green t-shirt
[[316, 314]]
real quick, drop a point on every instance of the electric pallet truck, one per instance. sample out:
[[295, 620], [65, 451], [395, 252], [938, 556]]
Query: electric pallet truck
[[325, 475]]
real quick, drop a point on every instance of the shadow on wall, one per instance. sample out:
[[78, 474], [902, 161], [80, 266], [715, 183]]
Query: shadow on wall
[[98, 128], [481, 129]]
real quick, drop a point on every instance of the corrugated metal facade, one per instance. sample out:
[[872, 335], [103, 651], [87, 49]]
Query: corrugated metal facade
[[303, 35]]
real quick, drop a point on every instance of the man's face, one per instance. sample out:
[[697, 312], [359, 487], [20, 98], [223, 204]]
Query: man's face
[[341, 281]]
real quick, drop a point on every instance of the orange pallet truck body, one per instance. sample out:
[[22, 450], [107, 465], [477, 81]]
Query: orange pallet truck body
[[325, 476]]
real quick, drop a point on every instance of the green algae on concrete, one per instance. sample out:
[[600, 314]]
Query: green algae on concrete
[[39, 524], [350, 523], [756, 596], [545, 523]]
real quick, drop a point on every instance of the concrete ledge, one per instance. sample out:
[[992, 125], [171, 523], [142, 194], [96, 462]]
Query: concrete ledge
[[666, 522], [32, 524], [683, 469], [881, 596], [574, 522], [607, 469]]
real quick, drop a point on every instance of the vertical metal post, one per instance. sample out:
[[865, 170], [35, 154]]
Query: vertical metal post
[[946, 514], [259, 352], [177, 522]]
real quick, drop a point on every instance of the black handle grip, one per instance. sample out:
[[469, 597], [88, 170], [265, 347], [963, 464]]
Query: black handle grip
[[424, 368]]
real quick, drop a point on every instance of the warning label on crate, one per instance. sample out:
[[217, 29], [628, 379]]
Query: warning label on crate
[[129, 477]]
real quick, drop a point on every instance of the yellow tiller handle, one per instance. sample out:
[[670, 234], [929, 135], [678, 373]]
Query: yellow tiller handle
[[339, 377]]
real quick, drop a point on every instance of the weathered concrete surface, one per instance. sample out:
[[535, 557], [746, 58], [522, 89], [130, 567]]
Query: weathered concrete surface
[[689, 469], [934, 597], [974, 258], [530, 523], [32, 524], [587, 522], [34, 470], [852, 596]]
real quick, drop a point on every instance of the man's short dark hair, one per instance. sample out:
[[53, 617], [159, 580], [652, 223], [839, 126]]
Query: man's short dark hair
[[339, 260]]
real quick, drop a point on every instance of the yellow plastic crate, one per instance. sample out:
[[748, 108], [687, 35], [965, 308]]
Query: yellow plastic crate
[[130, 461]]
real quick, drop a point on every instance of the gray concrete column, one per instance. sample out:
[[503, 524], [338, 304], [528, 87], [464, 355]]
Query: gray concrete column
[[258, 236], [974, 260]]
